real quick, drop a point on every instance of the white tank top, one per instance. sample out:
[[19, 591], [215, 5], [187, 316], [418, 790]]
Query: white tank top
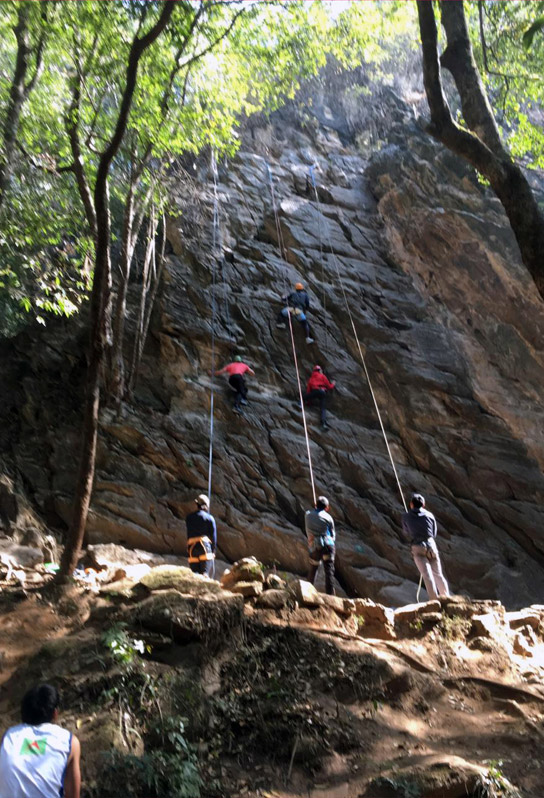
[[33, 761]]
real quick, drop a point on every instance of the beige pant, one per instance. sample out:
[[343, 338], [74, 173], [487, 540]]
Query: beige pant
[[430, 568]]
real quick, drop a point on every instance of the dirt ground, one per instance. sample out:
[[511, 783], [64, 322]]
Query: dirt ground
[[288, 703]]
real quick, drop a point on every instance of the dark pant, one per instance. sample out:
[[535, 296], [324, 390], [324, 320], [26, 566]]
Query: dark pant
[[237, 382], [321, 395], [299, 315], [325, 553], [200, 561]]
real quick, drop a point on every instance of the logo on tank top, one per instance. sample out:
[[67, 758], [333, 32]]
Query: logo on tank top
[[33, 747]]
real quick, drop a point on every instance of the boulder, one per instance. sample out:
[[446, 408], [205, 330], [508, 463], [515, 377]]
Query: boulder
[[247, 589], [273, 599], [434, 776], [521, 646], [20, 556], [515, 620], [247, 569], [342, 606], [104, 555], [487, 625], [210, 617], [306, 594], [172, 577], [374, 620], [412, 611], [274, 582]]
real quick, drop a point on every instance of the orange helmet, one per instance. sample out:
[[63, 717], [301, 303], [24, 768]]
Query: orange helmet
[[299, 287]]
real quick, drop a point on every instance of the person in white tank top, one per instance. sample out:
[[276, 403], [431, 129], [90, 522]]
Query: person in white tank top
[[38, 758]]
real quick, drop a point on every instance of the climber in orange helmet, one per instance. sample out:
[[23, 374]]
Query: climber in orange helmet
[[297, 304]]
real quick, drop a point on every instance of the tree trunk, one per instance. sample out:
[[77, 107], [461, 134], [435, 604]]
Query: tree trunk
[[117, 367], [101, 304], [482, 147], [16, 97], [144, 313]]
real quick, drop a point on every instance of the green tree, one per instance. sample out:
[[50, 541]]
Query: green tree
[[478, 140]]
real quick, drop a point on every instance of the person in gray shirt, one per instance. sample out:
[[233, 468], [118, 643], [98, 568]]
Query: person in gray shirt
[[419, 528], [321, 537]]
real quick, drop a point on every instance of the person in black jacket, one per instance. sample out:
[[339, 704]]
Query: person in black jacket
[[201, 537], [297, 304], [419, 527]]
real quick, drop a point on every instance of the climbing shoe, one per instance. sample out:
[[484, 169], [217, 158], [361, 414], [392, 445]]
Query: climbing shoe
[[243, 401], [325, 427], [237, 410], [309, 340]]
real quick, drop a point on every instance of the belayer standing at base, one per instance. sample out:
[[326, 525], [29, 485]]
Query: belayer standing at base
[[317, 388], [419, 527], [236, 371], [201, 537], [38, 758], [321, 537], [297, 304]]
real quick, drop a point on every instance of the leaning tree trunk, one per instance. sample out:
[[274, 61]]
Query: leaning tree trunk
[[101, 304], [481, 145], [16, 97]]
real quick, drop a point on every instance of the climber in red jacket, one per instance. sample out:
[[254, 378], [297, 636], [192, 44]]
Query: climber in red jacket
[[236, 371], [317, 388]]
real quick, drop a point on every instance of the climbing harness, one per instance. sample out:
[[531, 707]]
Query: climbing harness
[[204, 544], [290, 322]]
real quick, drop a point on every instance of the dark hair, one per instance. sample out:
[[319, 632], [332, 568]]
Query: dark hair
[[39, 704], [322, 503], [418, 501]]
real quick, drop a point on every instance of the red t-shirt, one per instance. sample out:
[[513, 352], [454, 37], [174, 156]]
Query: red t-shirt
[[318, 380], [235, 368]]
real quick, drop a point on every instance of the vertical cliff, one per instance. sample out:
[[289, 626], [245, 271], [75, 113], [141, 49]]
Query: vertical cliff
[[450, 325]]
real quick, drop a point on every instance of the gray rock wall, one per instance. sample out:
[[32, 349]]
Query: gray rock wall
[[450, 326]]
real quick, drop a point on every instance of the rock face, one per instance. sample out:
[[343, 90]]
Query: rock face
[[451, 329]]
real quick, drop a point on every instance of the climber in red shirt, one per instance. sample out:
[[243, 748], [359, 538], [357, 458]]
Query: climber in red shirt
[[317, 388], [236, 370]]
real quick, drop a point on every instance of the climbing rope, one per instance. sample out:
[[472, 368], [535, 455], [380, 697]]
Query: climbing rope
[[215, 240], [322, 261], [363, 361], [291, 332]]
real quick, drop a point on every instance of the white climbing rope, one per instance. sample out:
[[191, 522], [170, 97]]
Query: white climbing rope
[[367, 375], [215, 241], [363, 361], [290, 322]]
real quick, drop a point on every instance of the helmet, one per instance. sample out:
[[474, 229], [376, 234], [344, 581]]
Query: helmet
[[417, 500], [202, 500], [237, 359], [299, 287], [318, 368]]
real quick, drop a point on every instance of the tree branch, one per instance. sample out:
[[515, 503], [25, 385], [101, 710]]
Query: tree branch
[[16, 97], [506, 178], [78, 166], [458, 59]]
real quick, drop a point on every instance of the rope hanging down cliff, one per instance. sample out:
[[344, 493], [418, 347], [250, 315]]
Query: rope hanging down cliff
[[352, 322], [215, 242], [290, 322]]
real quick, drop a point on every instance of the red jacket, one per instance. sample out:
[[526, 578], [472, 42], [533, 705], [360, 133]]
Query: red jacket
[[318, 380]]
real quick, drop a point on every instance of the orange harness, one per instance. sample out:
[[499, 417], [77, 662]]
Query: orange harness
[[206, 555]]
